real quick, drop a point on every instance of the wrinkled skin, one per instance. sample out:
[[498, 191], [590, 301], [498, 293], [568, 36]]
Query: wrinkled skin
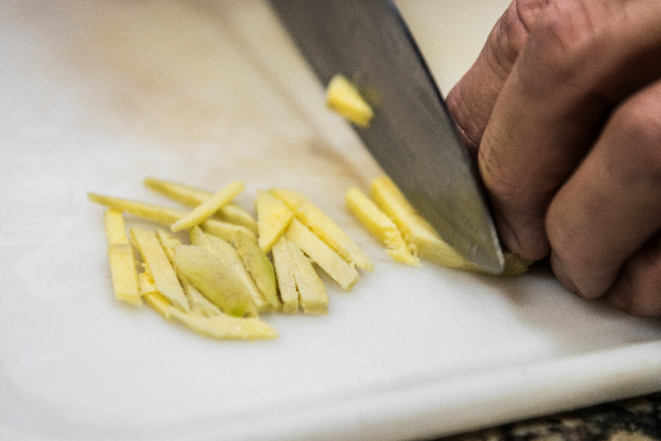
[[562, 111]]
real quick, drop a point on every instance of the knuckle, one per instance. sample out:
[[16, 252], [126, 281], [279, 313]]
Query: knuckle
[[644, 274], [565, 38], [640, 119], [502, 182], [579, 264], [638, 123], [513, 28]]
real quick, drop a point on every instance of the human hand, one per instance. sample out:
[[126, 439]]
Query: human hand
[[562, 111]]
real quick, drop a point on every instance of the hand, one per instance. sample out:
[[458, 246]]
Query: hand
[[562, 111]]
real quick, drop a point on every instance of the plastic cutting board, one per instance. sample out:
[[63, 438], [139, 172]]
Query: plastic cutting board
[[97, 95]]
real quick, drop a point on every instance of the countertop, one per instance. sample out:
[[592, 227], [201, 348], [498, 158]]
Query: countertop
[[635, 419]]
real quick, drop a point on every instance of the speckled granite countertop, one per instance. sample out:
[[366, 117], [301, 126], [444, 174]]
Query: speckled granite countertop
[[636, 419]]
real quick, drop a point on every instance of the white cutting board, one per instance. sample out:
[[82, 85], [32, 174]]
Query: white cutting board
[[96, 95]]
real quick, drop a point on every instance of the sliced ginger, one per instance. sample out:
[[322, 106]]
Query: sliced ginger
[[220, 326], [145, 210], [168, 216], [217, 285], [273, 218], [199, 304], [146, 283], [322, 255], [204, 317], [312, 295], [259, 266], [422, 237], [121, 259], [192, 196], [208, 207], [284, 269], [416, 231], [322, 226], [381, 226], [345, 99], [215, 279], [231, 258], [159, 266], [299, 283]]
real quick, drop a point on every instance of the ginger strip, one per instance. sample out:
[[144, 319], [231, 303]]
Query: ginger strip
[[231, 258], [322, 226], [221, 327], [208, 207], [192, 197], [322, 255], [312, 296], [199, 304], [259, 266], [168, 216], [285, 267], [423, 237], [161, 270], [121, 259], [381, 226], [345, 99], [273, 218]]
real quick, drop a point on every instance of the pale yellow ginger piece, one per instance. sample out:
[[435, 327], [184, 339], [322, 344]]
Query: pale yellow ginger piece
[[312, 296], [515, 265], [299, 283], [193, 196], [322, 255], [380, 225], [225, 231], [416, 231], [146, 283], [168, 216], [421, 236], [121, 260], [322, 226], [113, 221], [231, 258], [123, 273], [222, 327], [199, 304], [208, 207], [285, 268], [259, 266], [273, 218], [152, 212], [344, 98], [159, 267], [215, 279]]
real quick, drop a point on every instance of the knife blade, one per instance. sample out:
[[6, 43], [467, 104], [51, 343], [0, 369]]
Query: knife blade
[[412, 135]]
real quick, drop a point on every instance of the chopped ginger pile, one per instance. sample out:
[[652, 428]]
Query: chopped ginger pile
[[230, 268]]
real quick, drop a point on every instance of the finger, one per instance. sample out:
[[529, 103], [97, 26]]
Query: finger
[[575, 66], [472, 99], [611, 206], [638, 289]]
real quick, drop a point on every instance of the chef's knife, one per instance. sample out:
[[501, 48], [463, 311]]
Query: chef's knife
[[412, 136]]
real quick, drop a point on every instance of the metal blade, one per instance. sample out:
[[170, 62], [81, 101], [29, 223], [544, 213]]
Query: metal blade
[[412, 135]]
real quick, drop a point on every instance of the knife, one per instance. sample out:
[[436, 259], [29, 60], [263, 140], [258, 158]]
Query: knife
[[412, 135]]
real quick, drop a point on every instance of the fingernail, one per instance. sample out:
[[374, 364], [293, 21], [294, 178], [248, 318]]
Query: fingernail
[[620, 294], [507, 236], [563, 275]]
